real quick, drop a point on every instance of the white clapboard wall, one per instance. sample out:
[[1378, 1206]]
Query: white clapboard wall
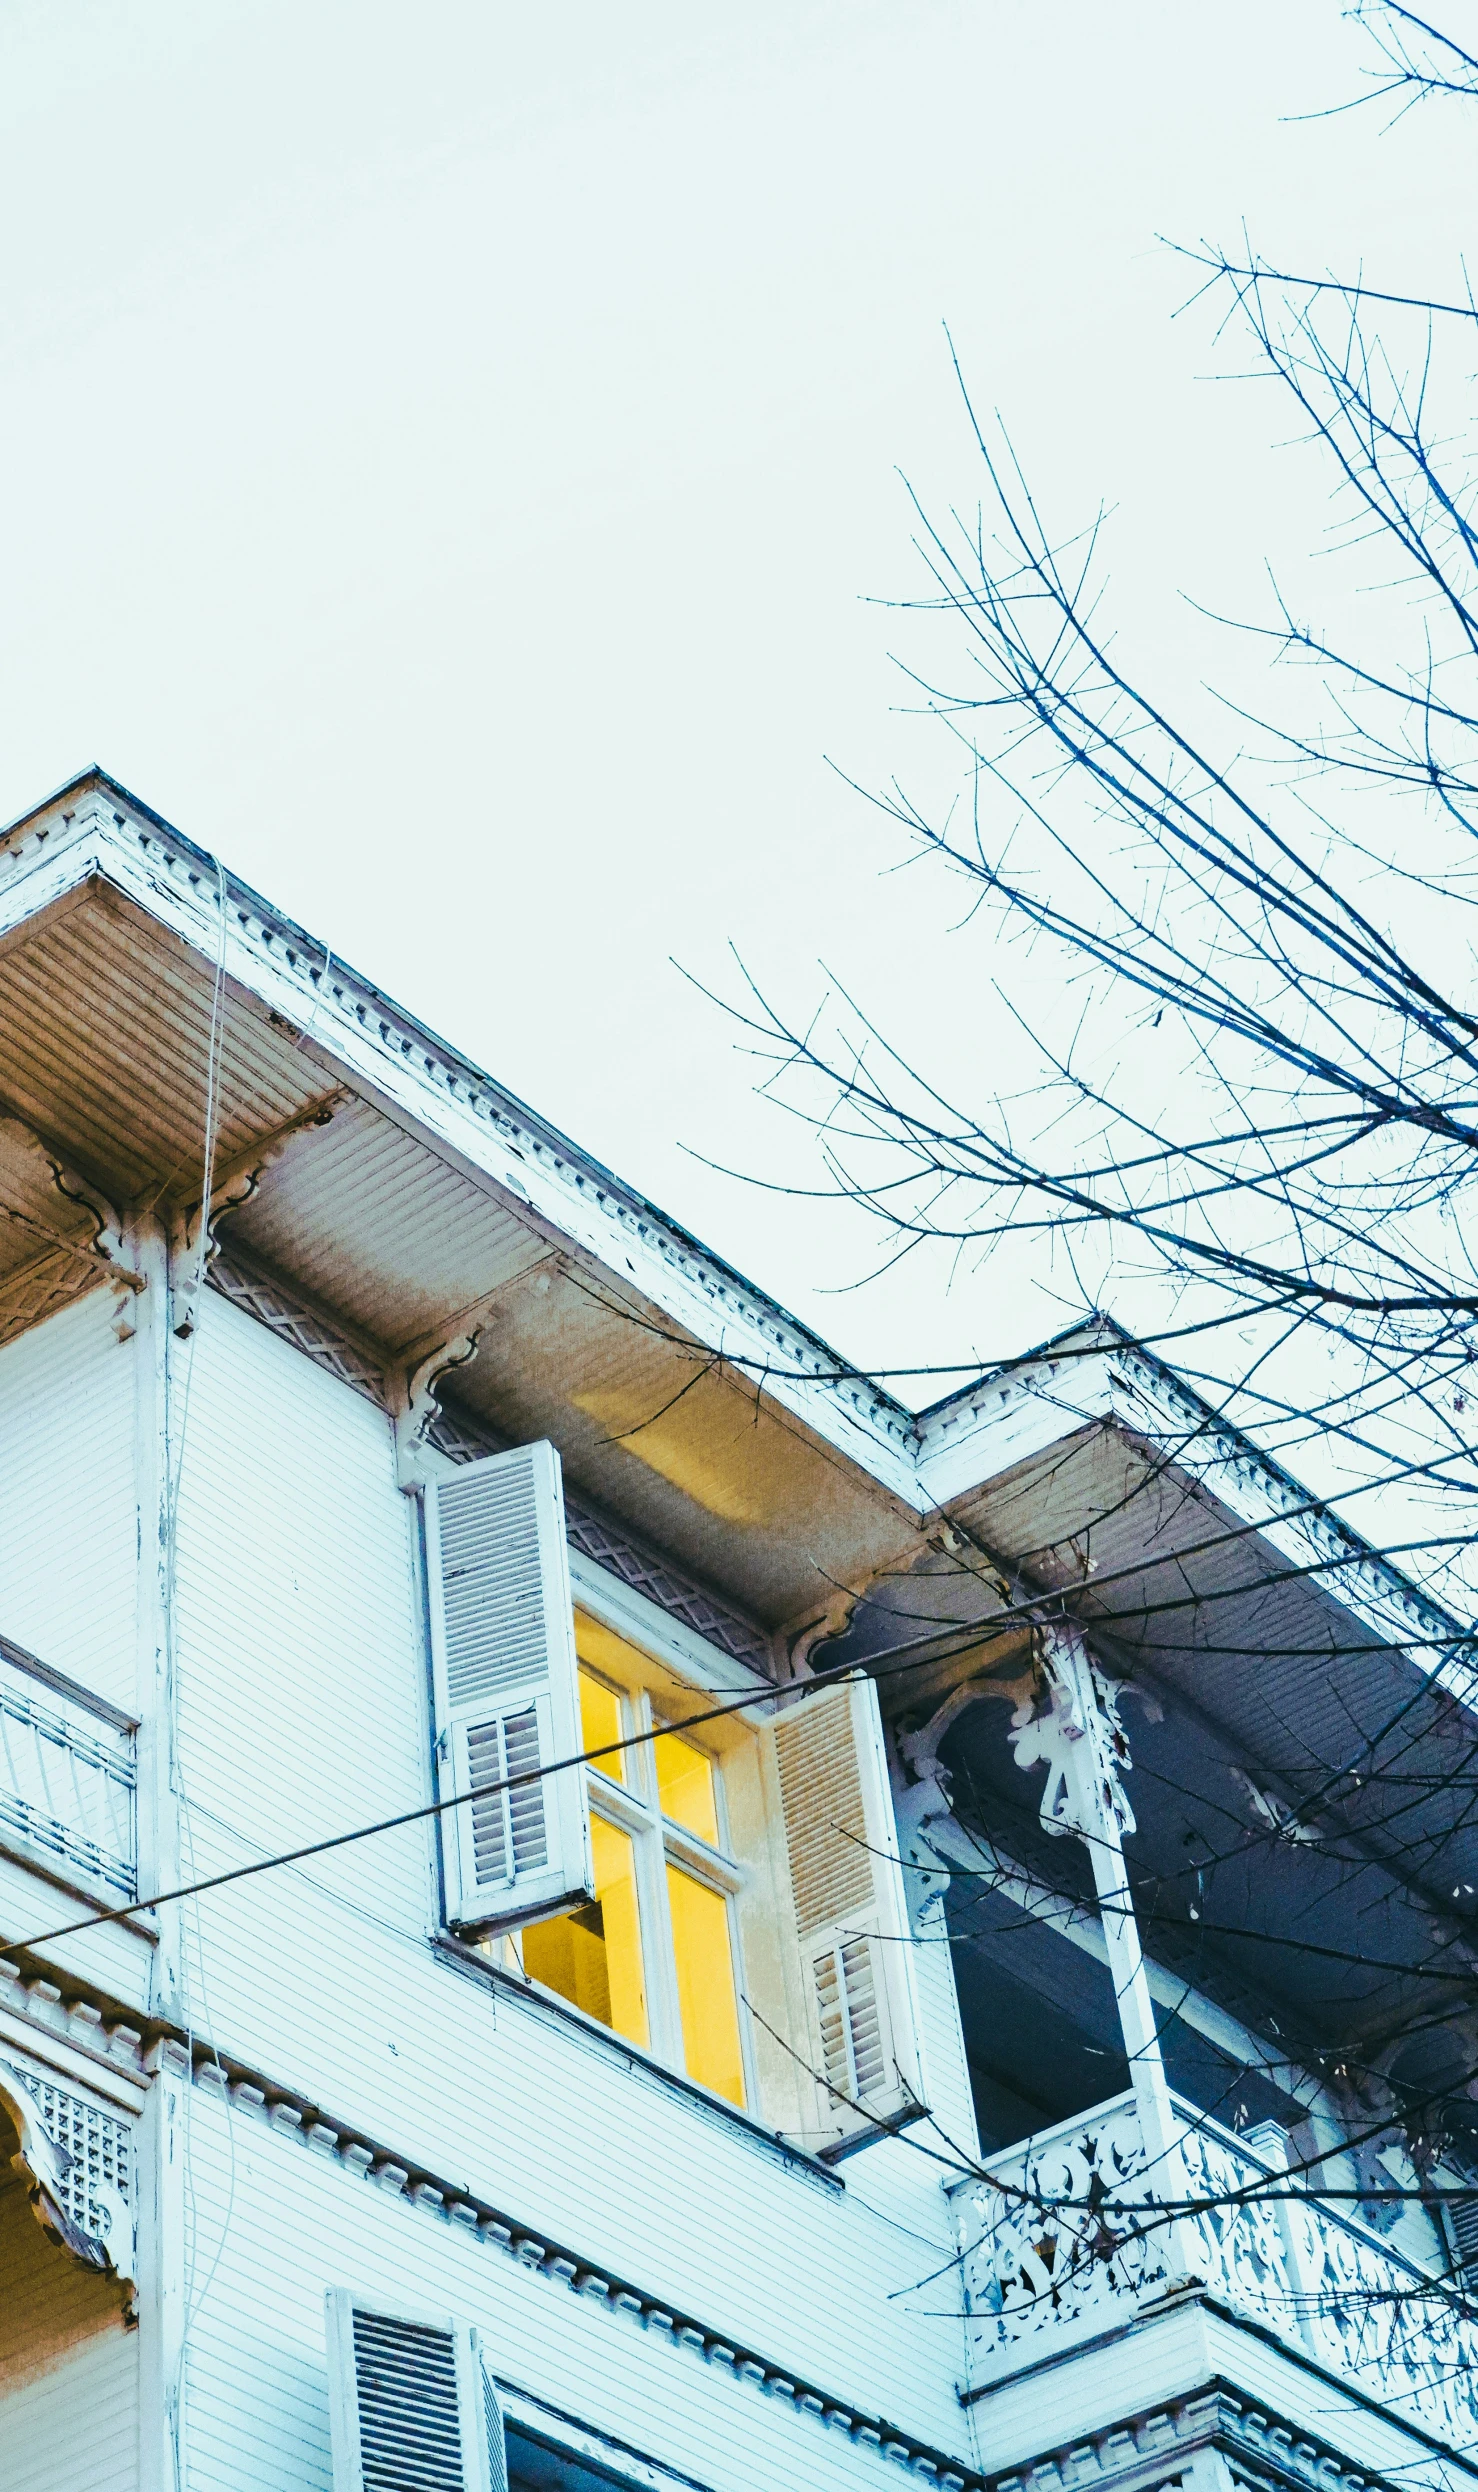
[[305, 1706], [261, 2361], [69, 1545]]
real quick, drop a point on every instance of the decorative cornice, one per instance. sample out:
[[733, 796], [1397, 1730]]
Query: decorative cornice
[[95, 827], [113, 833], [1274, 2451], [159, 2046]]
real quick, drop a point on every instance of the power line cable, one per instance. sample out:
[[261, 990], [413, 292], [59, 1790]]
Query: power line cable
[[898, 1659], [1027, 1613]]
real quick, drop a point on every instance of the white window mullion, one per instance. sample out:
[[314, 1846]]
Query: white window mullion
[[662, 1998], [691, 1852], [668, 2019]]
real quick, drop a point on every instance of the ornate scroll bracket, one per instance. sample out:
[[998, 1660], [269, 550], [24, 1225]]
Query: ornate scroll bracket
[[238, 1181], [1071, 1725], [421, 1405], [1077, 1734], [79, 2209], [234, 1185], [106, 1246], [927, 1800], [823, 1626]]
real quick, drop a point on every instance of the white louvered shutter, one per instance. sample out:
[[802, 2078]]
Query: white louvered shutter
[[1462, 2226], [842, 1850], [411, 2406], [507, 1695]]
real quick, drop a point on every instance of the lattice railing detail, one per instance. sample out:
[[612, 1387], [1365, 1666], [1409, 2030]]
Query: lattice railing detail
[[292, 1321], [717, 1625], [96, 2158], [66, 1782], [52, 1281], [1068, 2235]]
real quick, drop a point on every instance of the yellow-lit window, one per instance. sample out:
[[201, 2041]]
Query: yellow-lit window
[[654, 1957], [686, 1787], [601, 1723], [593, 1957], [705, 1983]]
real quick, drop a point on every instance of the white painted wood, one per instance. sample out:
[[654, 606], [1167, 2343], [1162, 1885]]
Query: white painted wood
[[66, 1785], [298, 1618], [117, 1957], [507, 1703], [68, 2365], [1077, 1736], [1169, 2355], [851, 1915], [303, 1704], [259, 2368], [298, 1685], [152, 1353], [161, 873], [411, 2408], [68, 1545], [160, 2155]]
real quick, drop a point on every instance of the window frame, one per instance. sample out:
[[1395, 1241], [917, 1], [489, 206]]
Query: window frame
[[634, 1808]]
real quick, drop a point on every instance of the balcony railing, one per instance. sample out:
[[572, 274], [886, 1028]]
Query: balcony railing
[[1066, 2240], [66, 1776]]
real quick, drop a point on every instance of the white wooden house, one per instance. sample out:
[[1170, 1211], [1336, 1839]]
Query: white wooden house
[[783, 2100]]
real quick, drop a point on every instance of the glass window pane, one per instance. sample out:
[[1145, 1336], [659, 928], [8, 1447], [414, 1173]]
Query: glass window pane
[[593, 1957], [685, 1787], [600, 1723], [705, 1984]]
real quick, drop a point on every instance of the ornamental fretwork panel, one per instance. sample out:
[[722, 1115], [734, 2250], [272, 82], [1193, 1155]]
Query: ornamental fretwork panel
[[1067, 2237], [94, 2168]]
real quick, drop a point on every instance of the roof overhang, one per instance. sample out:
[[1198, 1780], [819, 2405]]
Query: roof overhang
[[398, 1188], [401, 1192]]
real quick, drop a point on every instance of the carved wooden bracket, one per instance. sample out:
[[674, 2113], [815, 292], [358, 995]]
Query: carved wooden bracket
[[105, 1247], [239, 1179], [1070, 1723], [927, 1800], [418, 1411], [233, 1185], [822, 1627], [48, 2173]]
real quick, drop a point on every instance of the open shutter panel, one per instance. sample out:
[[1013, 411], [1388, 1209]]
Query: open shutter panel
[[411, 2407], [1462, 2226], [841, 1845], [507, 1698]]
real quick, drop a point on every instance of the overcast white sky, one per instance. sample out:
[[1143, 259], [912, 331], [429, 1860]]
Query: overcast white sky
[[448, 453]]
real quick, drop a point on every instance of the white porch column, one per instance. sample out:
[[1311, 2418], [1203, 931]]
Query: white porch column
[[1081, 1742]]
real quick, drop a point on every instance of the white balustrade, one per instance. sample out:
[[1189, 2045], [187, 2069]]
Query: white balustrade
[[1069, 2235], [66, 1777]]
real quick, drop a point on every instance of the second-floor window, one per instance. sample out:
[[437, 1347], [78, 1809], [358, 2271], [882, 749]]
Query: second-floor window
[[654, 1956]]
